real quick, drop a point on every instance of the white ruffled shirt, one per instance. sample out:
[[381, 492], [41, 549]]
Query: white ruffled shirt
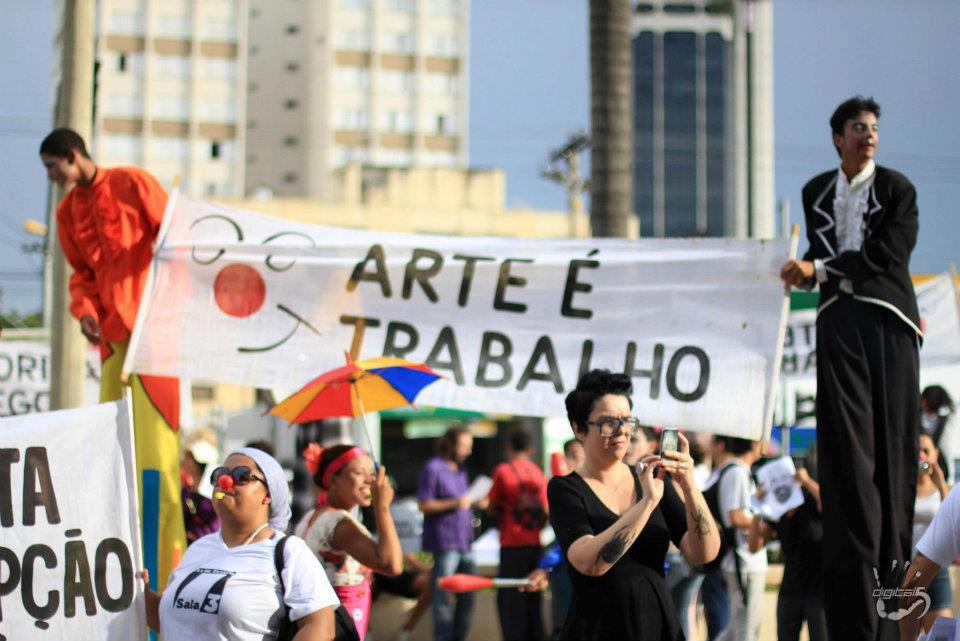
[[850, 203]]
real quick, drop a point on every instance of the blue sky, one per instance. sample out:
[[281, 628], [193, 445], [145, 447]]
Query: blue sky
[[529, 89]]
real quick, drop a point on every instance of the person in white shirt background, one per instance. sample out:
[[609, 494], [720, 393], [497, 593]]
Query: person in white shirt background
[[744, 569]]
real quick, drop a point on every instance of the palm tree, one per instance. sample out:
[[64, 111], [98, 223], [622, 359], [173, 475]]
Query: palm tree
[[611, 117]]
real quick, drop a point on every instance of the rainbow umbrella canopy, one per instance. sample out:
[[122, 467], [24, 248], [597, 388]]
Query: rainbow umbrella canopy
[[358, 387]]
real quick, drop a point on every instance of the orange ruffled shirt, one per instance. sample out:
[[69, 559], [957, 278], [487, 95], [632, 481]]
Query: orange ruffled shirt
[[107, 231]]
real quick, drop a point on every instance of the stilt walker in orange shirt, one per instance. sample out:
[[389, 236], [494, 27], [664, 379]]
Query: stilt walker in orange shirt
[[107, 224]]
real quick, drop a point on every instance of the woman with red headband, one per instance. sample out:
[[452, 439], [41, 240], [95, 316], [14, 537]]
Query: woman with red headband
[[344, 476]]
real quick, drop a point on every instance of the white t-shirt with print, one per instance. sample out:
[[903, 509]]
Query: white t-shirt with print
[[218, 593], [316, 529], [736, 488], [941, 542]]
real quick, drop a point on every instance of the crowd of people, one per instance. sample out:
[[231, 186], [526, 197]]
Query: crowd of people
[[643, 532]]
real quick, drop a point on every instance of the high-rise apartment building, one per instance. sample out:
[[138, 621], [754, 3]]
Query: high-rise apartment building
[[380, 82], [170, 90], [703, 118]]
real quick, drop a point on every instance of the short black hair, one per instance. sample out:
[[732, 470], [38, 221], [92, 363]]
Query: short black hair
[[736, 446], [937, 399], [591, 386], [849, 109], [519, 441], [60, 142], [569, 444]]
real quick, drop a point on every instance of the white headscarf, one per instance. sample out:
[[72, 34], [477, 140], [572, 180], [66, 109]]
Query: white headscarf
[[276, 482]]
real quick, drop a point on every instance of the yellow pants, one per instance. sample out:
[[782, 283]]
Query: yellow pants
[[155, 424]]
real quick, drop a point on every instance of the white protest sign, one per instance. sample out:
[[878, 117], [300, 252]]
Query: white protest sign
[[781, 489], [245, 298], [939, 319], [25, 377], [69, 529]]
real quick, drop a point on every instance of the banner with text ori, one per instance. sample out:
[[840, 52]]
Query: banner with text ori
[[245, 298], [69, 534]]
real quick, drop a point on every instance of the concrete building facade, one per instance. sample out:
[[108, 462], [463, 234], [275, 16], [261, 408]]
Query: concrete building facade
[[383, 82], [703, 118], [170, 89]]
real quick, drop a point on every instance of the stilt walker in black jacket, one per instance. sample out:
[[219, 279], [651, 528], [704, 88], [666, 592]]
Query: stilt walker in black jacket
[[862, 225]]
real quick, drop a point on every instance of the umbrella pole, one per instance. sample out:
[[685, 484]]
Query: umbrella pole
[[366, 431]]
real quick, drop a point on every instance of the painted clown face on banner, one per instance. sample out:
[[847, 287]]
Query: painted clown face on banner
[[239, 288]]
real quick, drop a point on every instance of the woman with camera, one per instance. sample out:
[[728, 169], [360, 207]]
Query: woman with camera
[[932, 489], [614, 523]]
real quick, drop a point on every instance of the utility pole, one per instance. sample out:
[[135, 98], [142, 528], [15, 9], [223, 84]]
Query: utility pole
[[611, 117], [564, 168], [74, 109]]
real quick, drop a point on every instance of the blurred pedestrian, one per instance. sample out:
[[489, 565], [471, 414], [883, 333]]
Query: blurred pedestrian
[[199, 516], [518, 498], [448, 529], [745, 566]]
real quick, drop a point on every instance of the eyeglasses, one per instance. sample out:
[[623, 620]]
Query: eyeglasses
[[241, 475], [612, 426]]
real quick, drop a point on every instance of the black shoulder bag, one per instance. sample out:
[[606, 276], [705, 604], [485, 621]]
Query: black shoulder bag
[[346, 629]]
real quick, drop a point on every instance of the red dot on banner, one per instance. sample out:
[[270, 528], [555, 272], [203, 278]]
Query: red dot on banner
[[239, 290]]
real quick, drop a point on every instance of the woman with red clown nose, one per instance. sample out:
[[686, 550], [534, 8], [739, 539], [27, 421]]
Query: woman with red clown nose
[[231, 584], [345, 479]]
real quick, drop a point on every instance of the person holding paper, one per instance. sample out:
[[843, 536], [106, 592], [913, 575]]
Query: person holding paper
[[344, 476], [442, 494], [800, 531], [614, 522], [107, 224]]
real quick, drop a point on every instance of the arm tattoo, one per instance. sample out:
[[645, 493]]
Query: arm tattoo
[[703, 522], [611, 552]]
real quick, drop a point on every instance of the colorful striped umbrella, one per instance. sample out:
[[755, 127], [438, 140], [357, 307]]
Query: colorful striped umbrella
[[358, 387]]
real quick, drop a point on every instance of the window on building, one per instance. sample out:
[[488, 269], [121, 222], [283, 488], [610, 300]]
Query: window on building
[[644, 7], [214, 149], [396, 42], [401, 6], [251, 124], [293, 29], [210, 189], [450, 8], [352, 118], [397, 121], [290, 103], [353, 39], [122, 62], [291, 141], [293, 66], [442, 123], [252, 87], [290, 177], [201, 392]]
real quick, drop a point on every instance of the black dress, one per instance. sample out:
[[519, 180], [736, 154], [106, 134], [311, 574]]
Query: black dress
[[631, 600]]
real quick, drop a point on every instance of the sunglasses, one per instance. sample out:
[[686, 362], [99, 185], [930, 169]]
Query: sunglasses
[[241, 475]]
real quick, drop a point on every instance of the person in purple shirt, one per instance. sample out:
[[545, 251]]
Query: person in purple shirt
[[448, 531]]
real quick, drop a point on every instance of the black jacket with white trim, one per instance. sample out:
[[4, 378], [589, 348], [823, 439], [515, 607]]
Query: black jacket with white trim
[[878, 273]]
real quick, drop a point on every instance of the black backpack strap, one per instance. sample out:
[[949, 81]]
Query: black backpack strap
[[287, 629]]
